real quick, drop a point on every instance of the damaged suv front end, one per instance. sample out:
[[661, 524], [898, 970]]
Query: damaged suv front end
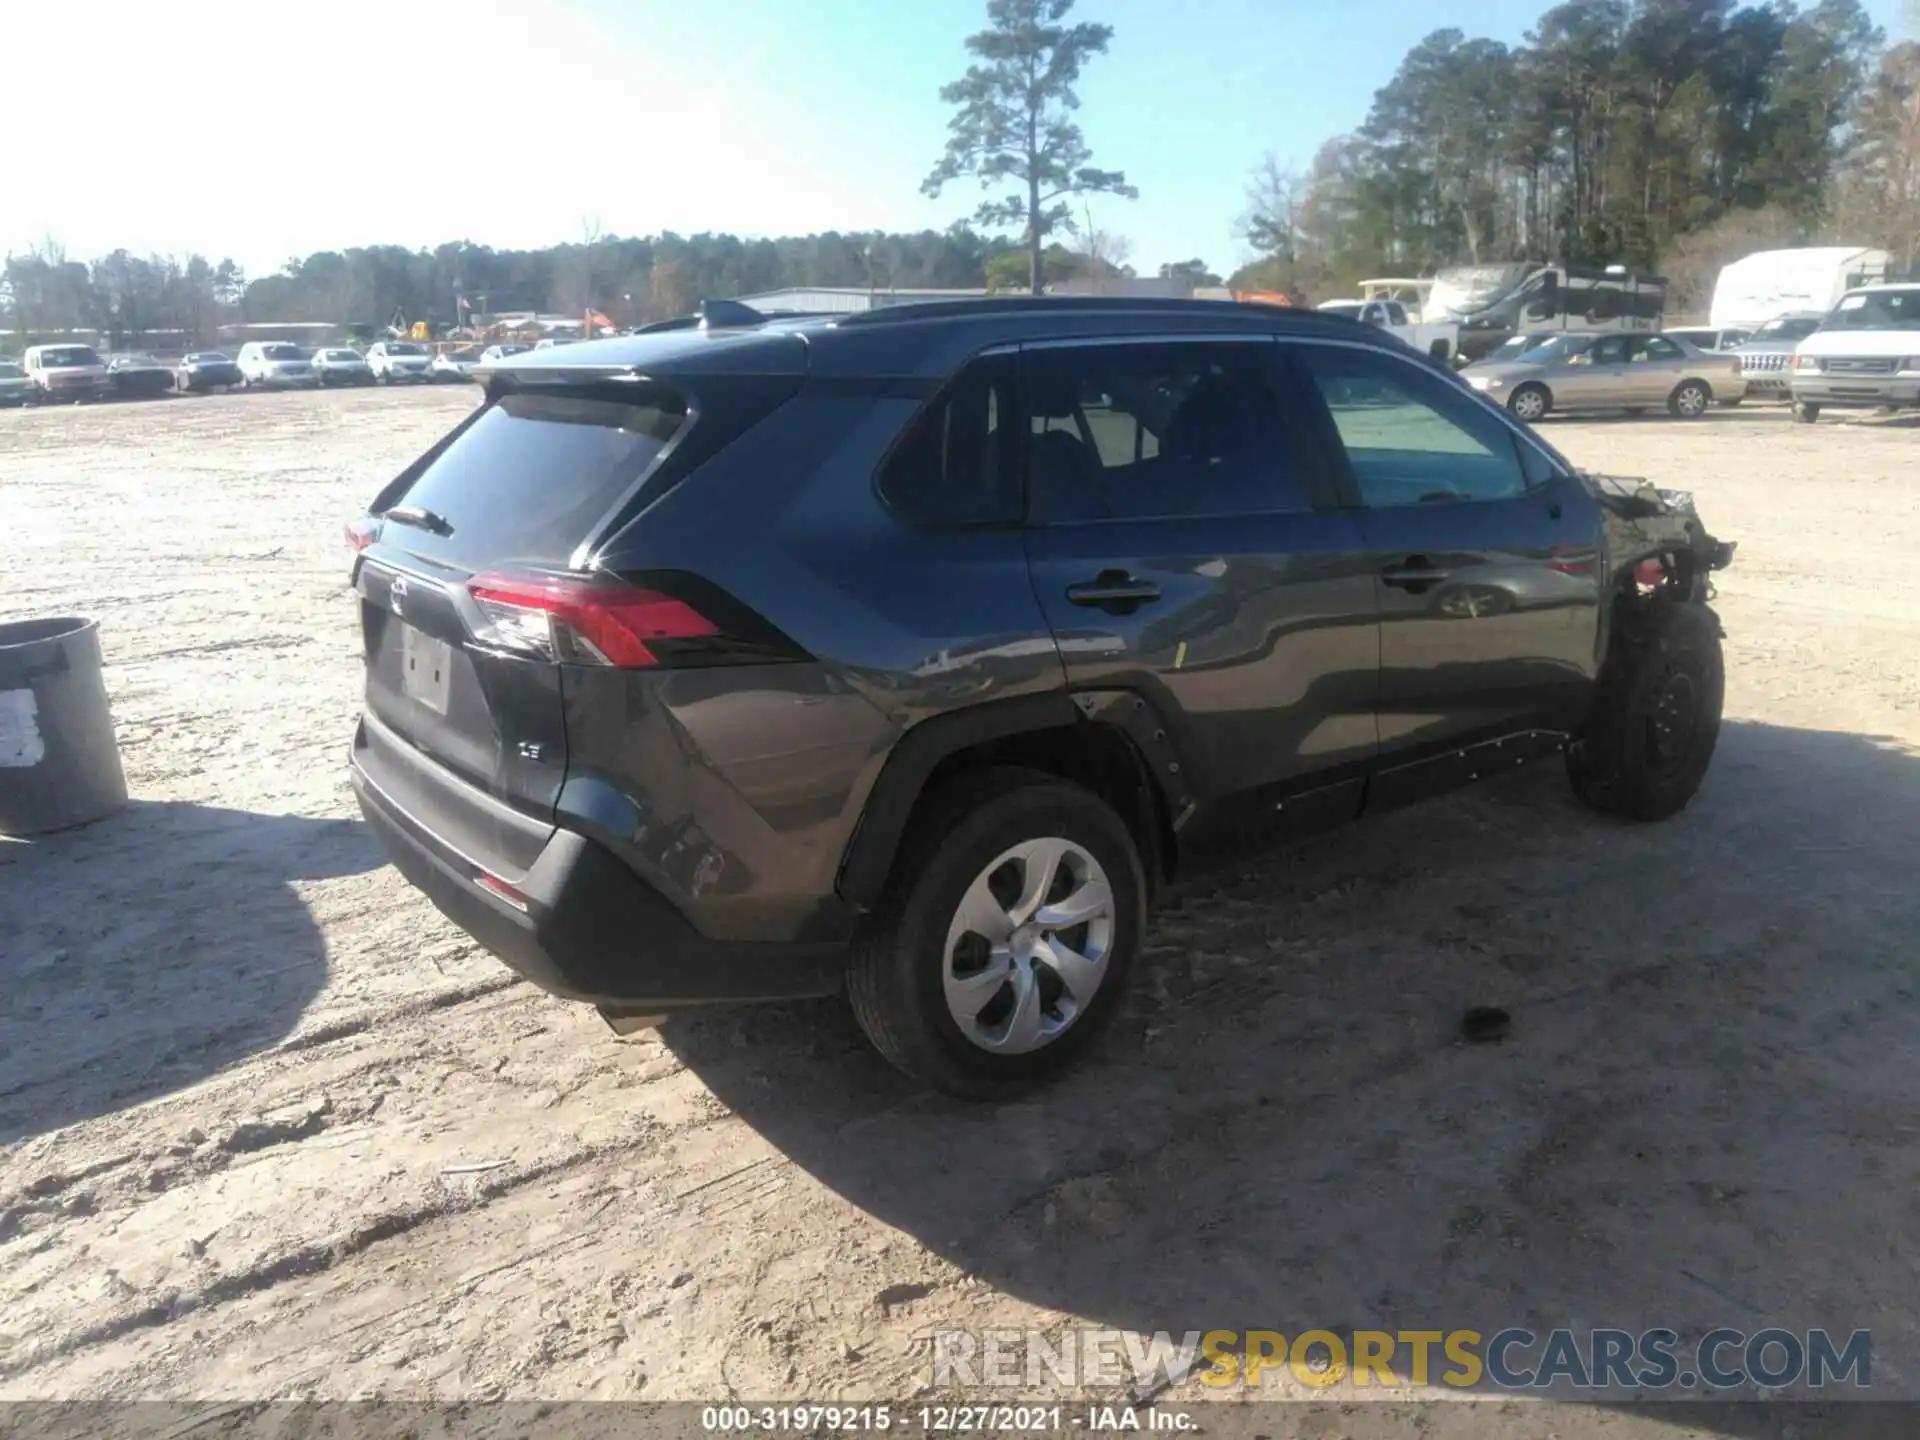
[[1655, 538]]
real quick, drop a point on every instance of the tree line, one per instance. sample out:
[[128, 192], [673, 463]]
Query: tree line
[[1674, 134], [629, 280]]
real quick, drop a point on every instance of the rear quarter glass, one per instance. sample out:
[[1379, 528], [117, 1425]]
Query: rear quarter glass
[[531, 477]]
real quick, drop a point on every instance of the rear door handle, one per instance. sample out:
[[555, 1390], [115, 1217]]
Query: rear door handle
[[1113, 587]]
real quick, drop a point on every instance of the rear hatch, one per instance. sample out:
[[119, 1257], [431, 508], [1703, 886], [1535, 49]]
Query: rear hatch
[[476, 597]]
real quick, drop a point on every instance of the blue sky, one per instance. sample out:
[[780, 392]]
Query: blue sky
[[755, 116]]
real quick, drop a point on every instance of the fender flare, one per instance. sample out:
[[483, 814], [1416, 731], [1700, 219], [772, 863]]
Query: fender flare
[[903, 778]]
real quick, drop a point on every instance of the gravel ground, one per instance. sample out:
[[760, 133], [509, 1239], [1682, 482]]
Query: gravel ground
[[272, 1127]]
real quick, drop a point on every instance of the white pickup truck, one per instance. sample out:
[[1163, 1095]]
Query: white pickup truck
[[1440, 339]]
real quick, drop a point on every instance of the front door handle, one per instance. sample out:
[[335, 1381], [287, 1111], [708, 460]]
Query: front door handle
[[1413, 573], [1113, 588]]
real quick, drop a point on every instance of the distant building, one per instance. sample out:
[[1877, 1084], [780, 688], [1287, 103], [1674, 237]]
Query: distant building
[[847, 299], [1130, 287], [300, 332]]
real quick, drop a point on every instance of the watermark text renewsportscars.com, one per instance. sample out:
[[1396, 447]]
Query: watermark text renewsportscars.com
[[1511, 1359]]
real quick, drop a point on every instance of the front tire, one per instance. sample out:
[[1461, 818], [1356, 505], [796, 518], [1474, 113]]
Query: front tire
[[1805, 412], [1655, 720], [1006, 937], [1690, 399], [1529, 403]]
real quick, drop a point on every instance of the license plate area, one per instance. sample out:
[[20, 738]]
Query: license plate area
[[425, 666]]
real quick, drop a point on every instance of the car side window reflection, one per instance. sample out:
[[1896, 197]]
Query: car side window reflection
[[1412, 438]]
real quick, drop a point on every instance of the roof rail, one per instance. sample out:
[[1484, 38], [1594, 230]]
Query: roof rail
[[1097, 304]]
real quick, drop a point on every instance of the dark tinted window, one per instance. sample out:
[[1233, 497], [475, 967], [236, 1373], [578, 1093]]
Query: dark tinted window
[[530, 477], [1411, 437], [1129, 432], [958, 463], [1609, 350]]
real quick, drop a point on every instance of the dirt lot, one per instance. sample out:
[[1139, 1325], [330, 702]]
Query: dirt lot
[[272, 1127]]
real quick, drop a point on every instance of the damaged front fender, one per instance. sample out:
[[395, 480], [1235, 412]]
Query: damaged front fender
[[1643, 523]]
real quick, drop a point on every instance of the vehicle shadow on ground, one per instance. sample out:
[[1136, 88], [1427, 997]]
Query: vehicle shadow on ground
[[149, 950], [1703, 1114]]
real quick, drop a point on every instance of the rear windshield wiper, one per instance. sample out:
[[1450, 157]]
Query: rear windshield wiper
[[429, 520]]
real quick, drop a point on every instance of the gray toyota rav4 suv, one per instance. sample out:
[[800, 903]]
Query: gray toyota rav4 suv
[[911, 653]]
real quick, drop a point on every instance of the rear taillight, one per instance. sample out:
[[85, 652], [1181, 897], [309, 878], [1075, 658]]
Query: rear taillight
[[1650, 574], [584, 622], [360, 532]]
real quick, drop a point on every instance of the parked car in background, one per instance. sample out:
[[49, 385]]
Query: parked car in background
[[270, 363], [1631, 372], [553, 340], [456, 364], [66, 372], [15, 387], [1440, 338], [493, 354], [397, 361], [206, 370], [1864, 356], [1706, 337], [139, 376], [694, 681], [1766, 356], [340, 365]]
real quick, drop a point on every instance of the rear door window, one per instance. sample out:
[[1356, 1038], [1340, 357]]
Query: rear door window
[[1155, 431], [530, 478]]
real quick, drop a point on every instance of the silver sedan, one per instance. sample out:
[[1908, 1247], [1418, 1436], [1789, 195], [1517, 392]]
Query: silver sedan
[[1630, 372]]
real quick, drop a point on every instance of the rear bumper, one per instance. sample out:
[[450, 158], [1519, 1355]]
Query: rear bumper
[[594, 930]]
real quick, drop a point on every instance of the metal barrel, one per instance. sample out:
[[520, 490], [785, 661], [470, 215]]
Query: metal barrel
[[59, 765]]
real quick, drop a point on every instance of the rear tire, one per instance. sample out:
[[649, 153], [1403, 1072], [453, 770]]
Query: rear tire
[[1805, 412], [909, 976], [1655, 720], [1690, 399], [1529, 403]]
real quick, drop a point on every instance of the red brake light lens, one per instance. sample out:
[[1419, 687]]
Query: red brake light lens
[[361, 532], [584, 622]]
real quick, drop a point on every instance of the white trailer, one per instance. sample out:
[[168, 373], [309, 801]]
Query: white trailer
[[1752, 291]]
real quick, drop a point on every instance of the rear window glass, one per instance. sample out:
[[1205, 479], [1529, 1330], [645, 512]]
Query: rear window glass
[[531, 476]]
